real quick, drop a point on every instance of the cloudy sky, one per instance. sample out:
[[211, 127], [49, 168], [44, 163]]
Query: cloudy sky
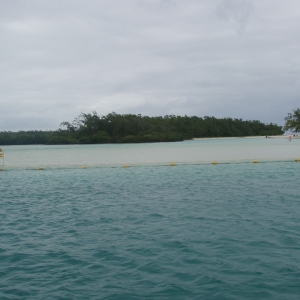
[[222, 58]]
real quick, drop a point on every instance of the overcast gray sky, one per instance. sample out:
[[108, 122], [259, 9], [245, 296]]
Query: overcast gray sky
[[222, 58]]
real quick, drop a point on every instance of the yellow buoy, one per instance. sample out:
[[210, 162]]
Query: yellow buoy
[[214, 162], [84, 167], [297, 160], [255, 161], [126, 166], [0, 169], [41, 169], [172, 164]]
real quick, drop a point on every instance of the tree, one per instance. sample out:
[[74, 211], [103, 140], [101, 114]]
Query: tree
[[292, 121]]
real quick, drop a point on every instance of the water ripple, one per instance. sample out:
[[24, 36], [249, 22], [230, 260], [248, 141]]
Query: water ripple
[[190, 232]]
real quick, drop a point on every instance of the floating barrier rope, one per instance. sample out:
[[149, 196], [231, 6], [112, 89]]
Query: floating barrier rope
[[126, 166]]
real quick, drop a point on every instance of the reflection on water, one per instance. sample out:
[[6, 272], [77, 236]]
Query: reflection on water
[[188, 152]]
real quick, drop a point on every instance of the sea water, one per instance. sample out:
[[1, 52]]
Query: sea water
[[188, 152], [193, 231]]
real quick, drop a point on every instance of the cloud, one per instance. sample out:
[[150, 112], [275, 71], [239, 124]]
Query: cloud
[[236, 11], [225, 58]]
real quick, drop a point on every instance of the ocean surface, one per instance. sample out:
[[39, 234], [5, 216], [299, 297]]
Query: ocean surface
[[151, 231]]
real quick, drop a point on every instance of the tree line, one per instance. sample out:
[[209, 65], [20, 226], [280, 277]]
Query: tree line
[[130, 128], [292, 121]]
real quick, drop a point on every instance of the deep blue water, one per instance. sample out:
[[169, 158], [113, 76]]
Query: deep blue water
[[185, 232]]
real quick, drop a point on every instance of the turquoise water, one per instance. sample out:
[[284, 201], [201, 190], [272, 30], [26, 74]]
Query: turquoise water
[[187, 152], [185, 232]]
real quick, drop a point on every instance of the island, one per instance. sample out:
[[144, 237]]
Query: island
[[92, 128]]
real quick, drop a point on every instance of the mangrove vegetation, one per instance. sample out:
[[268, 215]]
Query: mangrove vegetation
[[129, 128]]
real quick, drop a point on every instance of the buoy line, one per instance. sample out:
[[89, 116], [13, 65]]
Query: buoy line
[[127, 166]]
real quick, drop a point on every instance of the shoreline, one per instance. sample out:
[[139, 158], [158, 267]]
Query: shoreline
[[285, 136]]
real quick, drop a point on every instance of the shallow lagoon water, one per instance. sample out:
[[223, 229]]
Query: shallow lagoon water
[[188, 152], [226, 231]]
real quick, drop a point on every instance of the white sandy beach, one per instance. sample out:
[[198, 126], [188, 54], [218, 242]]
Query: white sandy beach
[[285, 136]]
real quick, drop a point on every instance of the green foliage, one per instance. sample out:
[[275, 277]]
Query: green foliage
[[292, 121], [129, 128], [100, 137]]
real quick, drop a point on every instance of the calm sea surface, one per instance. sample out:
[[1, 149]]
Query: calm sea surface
[[188, 152], [193, 231]]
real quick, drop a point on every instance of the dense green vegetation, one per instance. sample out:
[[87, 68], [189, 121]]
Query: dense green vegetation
[[292, 121], [115, 128]]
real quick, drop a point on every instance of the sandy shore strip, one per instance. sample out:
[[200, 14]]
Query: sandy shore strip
[[285, 136]]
